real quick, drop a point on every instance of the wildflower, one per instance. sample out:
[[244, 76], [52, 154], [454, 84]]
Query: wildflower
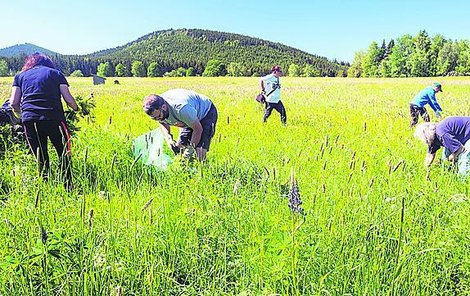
[[44, 235], [294, 197], [236, 187], [99, 260], [457, 198]]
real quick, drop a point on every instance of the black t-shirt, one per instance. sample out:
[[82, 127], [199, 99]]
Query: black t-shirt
[[41, 98]]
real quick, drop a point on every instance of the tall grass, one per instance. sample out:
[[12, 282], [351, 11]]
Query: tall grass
[[373, 225]]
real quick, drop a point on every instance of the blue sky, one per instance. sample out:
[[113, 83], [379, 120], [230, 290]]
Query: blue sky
[[330, 28]]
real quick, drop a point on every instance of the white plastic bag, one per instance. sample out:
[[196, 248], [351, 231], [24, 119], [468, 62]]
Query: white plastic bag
[[149, 148]]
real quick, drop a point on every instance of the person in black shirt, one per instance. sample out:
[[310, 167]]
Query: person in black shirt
[[36, 94]]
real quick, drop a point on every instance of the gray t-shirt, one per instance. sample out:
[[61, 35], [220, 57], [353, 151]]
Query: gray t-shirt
[[186, 107]]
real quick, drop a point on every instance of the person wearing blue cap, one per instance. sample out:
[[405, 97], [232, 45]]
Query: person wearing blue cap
[[426, 96]]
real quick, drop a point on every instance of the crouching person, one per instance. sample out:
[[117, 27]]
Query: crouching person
[[194, 113], [453, 133]]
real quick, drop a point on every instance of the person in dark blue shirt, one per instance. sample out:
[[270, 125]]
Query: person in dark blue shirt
[[426, 96], [452, 133], [36, 94]]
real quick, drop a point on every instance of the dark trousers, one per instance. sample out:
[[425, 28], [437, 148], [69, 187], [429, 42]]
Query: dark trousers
[[37, 132], [279, 107], [415, 112], [208, 130]]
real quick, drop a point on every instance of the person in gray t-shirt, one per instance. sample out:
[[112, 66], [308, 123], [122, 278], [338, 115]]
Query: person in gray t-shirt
[[194, 113]]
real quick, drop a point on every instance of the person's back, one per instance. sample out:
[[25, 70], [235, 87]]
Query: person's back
[[183, 101], [36, 93], [41, 98], [452, 129], [426, 96], [272, 88]]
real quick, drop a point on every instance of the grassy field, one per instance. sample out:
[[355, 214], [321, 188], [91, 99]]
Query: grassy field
[[372, 224]]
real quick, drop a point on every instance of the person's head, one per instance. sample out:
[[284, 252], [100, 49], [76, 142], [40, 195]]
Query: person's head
[[37, 59], [426, 132], [155, 107], [277, 71], [437, 87]]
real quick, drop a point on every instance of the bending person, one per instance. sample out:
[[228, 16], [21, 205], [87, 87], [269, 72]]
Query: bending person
[[424, 97], [194, 113], [453, 133]]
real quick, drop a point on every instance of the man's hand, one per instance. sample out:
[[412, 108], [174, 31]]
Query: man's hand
[[453, 157], [188, 152], [174, 146], [169, 140], [438, 114], [176, 150]]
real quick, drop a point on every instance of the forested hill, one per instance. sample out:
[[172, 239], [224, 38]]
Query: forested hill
[[186, 48], [194, 48], [187, 52], [23, 49]]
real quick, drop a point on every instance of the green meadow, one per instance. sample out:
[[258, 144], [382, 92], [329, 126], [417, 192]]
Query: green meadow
[[372, 224]]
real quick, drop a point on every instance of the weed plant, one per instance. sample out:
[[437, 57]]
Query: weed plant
[[371, 224]]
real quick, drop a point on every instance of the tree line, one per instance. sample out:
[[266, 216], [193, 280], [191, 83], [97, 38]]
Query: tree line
[[192, 51], [413, 56], [209, 53]]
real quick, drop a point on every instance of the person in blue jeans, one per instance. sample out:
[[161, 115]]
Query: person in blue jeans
[[452, 133], [425, 97], [36, 94]]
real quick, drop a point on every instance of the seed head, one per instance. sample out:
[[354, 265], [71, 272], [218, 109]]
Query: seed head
[[294, 197], [90, 218], [44, 235], [147, 204]]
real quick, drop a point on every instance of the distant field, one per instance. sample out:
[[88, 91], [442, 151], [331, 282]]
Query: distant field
[[224, 228]]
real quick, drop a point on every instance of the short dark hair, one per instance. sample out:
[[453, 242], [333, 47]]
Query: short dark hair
[[276, 68], [152, 102]]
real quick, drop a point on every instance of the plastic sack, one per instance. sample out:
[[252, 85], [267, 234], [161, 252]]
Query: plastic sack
[[149, 149]]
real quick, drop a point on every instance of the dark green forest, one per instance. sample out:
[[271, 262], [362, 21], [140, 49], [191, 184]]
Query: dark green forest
[[413, 56], [186, 52], [190, 52]]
